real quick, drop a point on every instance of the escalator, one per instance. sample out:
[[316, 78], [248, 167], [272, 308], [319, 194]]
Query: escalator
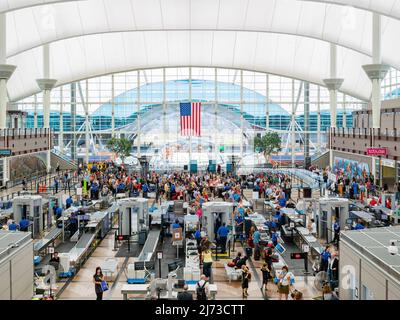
[[65, 162]]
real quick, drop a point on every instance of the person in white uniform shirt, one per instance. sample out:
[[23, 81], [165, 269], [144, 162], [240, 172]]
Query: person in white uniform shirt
[[313, 228]]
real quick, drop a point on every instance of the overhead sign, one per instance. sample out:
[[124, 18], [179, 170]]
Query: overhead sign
[[377, 151], [5, 152]]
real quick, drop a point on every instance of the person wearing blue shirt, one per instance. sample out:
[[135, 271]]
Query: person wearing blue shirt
[[282, 202], [239, 224], [94, 191], [274, 238], [256, 237], [277, 217], [355, 189], [121, 188], [13, 226], [272, 225], [145, 189], [336, 230], [58, 212], [236, 197], [197, 236], [176, 225], [69, 202], [24, 225], [359, 226], [256, 242], [222, 233], [241, 211], [325, 256]]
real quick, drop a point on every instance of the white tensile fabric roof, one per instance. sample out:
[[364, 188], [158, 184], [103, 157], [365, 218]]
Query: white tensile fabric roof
[[286, 37]]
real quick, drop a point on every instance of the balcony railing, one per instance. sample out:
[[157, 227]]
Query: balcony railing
[[358, 132], [14, 133]]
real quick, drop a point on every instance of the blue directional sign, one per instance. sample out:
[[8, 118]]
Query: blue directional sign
[[5, 152]]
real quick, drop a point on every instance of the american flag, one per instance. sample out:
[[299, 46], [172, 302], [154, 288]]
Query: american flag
[[190, 118]]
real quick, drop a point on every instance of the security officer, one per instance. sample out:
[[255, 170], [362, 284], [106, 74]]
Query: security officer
[[222, 233], [325, 256], [336, 230]]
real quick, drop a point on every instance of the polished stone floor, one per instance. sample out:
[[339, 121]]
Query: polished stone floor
[[82, 287]]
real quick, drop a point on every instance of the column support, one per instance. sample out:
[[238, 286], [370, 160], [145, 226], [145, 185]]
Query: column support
[[319, 119], [267, 101], [376, 72], [164, 105], [112, 106], [35, 119], [241, 115], [333, 84], [216, 138], [190, 100], [87, 124], [307, 159], [139, 131], [293, 125], [61, 127], [344, 116]]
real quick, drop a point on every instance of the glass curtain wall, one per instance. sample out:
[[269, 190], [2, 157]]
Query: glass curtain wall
[[143, 105]]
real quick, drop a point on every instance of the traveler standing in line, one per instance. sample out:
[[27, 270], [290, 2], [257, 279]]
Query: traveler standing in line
[[98, 278], [285, 281], [202, 288], [207, 261], [246, 276], [185, 295], [266, 273]]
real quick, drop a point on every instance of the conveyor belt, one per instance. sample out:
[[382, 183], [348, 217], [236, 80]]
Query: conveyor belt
[[150, 245], [51, 236], [80, 248]]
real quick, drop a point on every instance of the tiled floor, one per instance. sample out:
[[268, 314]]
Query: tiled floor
[[82, 288]]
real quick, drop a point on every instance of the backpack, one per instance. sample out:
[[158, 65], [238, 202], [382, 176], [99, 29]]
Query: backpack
[[201, 291], [249, 276]]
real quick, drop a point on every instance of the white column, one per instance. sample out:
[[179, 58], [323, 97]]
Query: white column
[[112, 107], [46, 85], [319, 119], [376, 38], [3, 103], [216, 138], [333, 84], [139, 131], [164, 105], [190, 100], [5, 73], [241, 115], [35, 122], [293, 125], [344, 118], [376, 71], [267, 102], [61, 132], [87, 122]]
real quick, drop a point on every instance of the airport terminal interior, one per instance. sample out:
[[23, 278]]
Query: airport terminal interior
[[199, 150]]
